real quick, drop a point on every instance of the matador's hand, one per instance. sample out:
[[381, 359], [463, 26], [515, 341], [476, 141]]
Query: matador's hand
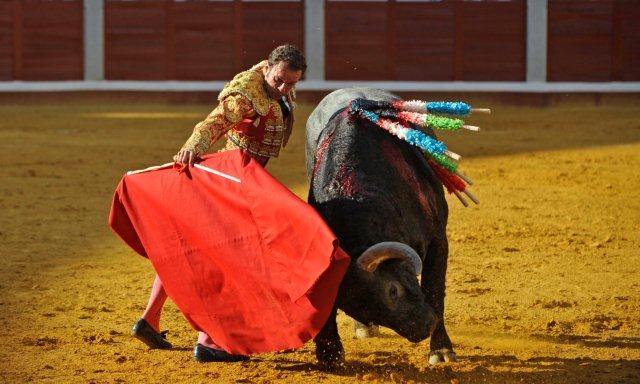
[[186, 156]]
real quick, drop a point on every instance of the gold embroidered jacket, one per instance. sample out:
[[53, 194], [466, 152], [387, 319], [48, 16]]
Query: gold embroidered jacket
[[249, 117]]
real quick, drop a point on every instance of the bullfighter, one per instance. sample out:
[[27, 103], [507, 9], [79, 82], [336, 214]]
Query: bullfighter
[[255, 112]]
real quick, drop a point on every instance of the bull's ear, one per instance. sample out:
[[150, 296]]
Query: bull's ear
[[378, 253]]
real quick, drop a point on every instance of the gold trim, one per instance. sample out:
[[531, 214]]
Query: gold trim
[[249, 84]]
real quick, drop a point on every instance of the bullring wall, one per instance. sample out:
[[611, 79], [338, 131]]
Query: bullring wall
[[394, 40]]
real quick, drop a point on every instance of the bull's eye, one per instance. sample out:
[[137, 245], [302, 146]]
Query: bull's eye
[[393, 292]]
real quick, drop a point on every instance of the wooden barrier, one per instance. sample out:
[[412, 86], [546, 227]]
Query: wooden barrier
[[447, 40], [6, 40], [356, 40], [593, 41], [491, 41], [41, 40], [169, 40], [203, 35]]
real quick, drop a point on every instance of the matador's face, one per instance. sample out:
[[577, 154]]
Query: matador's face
[[281, 79]]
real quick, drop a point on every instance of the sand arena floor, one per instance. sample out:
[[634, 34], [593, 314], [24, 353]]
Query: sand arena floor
[[543, 282]]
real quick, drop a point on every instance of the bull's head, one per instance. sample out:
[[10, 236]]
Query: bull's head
[[387, 292]]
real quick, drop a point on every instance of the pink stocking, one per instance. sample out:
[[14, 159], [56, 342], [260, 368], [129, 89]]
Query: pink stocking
[[205, 340], [154, 307]]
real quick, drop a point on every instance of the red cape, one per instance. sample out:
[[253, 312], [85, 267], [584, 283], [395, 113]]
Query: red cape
[[247, 262]]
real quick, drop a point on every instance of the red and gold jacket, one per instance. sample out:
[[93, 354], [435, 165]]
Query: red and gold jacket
[[251, 120]]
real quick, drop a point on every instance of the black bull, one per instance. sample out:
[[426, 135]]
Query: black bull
[[373, 189]]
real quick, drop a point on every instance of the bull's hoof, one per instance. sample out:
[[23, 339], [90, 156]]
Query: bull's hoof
[[365, 331], [330, 357], [331, 365], [442, 356]]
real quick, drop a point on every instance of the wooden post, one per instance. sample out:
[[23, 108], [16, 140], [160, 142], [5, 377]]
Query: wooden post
[[314, 39], [17, 40], [93, 39], [535, 15]]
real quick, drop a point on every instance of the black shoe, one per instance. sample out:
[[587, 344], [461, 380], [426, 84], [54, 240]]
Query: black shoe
[[204, 354], [145, 333]]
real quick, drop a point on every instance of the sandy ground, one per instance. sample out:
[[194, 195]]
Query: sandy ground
[[543, 283]]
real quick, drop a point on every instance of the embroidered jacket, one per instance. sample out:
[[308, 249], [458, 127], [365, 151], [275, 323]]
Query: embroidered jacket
[[248, 116]]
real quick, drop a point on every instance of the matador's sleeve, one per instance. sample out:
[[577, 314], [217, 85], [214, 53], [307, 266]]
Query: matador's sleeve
[[231, 110]]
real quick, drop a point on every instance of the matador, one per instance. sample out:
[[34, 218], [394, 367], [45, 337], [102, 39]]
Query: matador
[[255, 112]]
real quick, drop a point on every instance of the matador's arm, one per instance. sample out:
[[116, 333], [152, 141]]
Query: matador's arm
[[230, 111]]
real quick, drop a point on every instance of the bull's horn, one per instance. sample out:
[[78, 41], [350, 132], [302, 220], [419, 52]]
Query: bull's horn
[[376, 254]]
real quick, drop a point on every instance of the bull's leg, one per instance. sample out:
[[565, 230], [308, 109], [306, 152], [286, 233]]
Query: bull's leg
[[329, 351], [433, 286]]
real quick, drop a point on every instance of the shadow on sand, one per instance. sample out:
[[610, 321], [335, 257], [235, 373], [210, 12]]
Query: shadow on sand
[[592, 341], [483, 368]]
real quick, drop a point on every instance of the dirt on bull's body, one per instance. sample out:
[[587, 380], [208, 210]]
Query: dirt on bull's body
[[543, 280]]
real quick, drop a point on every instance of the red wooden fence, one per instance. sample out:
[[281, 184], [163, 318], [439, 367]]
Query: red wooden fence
[[491, 41], [444, 40], [626, 42], [593, 41], [41, 40], [196, 40], [134, 34], [203, 46], [447, 40], [6, 40], [267, 24], [425, 37], [356, 40]]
